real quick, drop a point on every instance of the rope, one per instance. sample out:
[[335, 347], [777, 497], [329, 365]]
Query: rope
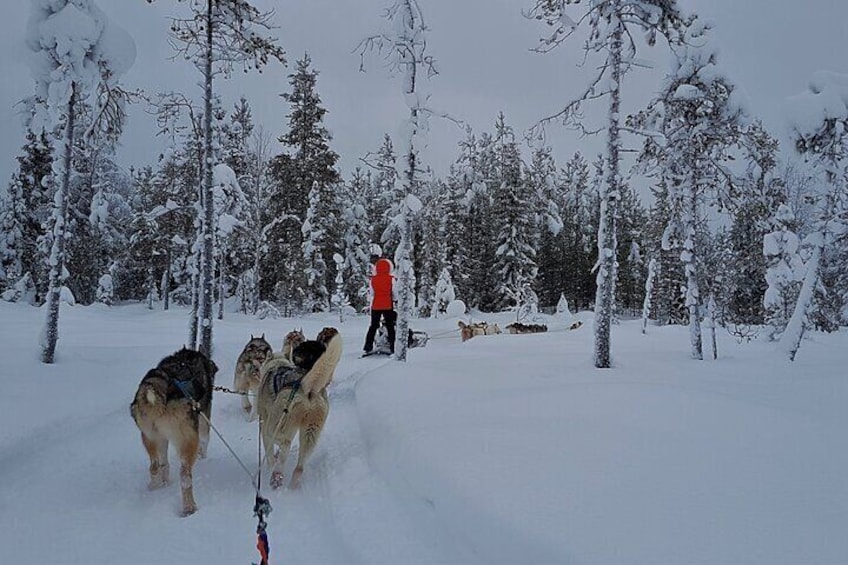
[[261, 505], [231, 391], [436, 336]]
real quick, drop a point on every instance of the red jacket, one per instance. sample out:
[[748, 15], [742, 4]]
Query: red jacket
[[381, 286]]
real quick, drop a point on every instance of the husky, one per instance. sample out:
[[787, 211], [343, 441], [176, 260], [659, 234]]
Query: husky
[[467, 331], [173, 404], [292, 340], [293, 400], [246, 379], [519, 328]]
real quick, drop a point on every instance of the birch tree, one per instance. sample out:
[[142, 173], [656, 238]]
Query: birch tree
[[404, 48], [75, 51], [218, 36], [611, 25]]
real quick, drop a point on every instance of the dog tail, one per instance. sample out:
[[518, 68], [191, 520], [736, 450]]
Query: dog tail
[[321, 373], [151, 394]]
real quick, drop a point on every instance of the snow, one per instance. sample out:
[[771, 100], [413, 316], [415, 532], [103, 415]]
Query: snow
[[825, 99], [502, 449]]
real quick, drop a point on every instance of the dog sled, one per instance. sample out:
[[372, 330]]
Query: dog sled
[[415, 338]]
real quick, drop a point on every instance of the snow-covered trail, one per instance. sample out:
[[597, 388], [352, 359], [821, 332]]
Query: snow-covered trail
[[71, 455]]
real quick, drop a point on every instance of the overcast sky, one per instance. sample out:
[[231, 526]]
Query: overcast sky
[[769, 47]]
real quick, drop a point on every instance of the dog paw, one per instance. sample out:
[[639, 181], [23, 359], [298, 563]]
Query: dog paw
[[188, 510], [156, 483], [294, 483], [277, 480]]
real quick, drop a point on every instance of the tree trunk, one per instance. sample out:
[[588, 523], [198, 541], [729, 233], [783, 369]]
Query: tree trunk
[[649, 288], [220, 287], [690, 265], [166, 281], [790, 341], [151, 285], [605, 293], [207, 272], [57, 254]]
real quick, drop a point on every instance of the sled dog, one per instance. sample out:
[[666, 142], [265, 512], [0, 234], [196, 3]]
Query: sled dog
[[293, 400], [173, 404], [519, 328], [246, 379], [467, 331]]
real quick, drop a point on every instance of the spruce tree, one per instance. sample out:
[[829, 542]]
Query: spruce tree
[[515, 257], [305, 177], [26, 212]]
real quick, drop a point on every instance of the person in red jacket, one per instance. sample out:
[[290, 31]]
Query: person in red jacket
[[382, 304]]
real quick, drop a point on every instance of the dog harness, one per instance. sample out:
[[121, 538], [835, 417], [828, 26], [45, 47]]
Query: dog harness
[[286, 377]]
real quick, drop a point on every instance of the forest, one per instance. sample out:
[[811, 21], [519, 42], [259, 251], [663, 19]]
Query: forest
[[737, 232]]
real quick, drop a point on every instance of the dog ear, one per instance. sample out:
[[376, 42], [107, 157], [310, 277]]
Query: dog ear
[[251, 336], [263, 335], [211, 367]]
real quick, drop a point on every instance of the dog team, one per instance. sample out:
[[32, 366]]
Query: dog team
[[173, 404]]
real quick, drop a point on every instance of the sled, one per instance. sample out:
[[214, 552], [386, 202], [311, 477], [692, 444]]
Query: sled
[[415, 339]]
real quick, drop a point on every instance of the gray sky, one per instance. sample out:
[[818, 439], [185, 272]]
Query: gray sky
[[769, 47]]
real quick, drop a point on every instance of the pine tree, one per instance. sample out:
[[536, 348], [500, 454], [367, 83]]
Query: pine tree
[[306, 179], [547, 203], [382, 194], [26, 211], [356, 237], [12, 218], [762, 193], [515, 256], [466, 212]]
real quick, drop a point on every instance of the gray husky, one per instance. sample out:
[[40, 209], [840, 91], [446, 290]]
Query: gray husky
[[173, 404], [246, 379]]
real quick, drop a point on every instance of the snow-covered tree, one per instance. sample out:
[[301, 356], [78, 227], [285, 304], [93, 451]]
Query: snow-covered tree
[[515, 254], [468, 204], [218, 36], [76, 53], [305, 182], [783, 272], [26, 210], [444, 295], [382, 195], [649, 288], [404, 47], [701, 115], [357, 238], [819, 122], [612, 27], [762, 192], [230, 215], [315, 237]]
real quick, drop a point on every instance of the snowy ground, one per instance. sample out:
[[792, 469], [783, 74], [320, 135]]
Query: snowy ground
[[504, 449]]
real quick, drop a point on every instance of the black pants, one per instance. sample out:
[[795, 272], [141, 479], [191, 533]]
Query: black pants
[[389, 317]]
